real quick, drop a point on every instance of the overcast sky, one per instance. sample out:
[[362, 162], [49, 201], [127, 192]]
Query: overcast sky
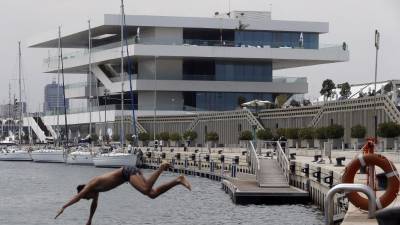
[[353, 21]]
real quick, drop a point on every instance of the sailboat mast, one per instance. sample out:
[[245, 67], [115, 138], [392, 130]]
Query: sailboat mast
[[90, 80], [63, 86], [122, 73], [58, 85], [20, 108]]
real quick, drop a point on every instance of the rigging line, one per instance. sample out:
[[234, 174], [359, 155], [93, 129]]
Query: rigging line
[[130, 78]]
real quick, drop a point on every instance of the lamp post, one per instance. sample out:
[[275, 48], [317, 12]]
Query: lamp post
[[377, 40]]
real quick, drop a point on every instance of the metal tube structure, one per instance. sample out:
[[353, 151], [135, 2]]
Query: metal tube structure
[[328, 204]]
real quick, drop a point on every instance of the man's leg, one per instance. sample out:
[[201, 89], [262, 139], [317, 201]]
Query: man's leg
[[141, 185]]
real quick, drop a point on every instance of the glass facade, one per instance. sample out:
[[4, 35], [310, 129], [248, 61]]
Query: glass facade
[[243, 71], [218, 101], [227, 70], [276, 39]]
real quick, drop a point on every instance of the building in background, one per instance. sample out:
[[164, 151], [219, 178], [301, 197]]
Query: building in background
[[192, 63], [54, 98], [12, 110]]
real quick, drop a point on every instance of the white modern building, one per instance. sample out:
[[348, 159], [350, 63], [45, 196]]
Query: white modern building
[[186, 64]]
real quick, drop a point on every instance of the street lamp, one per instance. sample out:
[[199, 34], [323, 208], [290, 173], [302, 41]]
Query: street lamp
[[377, 40]]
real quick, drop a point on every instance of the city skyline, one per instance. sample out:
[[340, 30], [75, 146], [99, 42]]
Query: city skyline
[[359, 69]]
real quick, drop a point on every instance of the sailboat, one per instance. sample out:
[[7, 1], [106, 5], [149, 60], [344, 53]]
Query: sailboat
[[17, 153], [119, 157], [82, 155], [52, 154]]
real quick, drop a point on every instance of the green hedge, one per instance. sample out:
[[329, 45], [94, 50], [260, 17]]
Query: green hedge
[[292, 133], [264, 134], [306, 133], [389, 130], [212, 136], [320, 133], [175, 136], [358, 131], [246, 135], [334, 131], [190, 135]]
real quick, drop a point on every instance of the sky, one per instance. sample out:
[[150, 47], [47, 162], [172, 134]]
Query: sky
[[352, 21]]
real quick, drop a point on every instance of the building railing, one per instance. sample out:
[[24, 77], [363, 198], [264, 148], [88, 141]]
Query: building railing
[[191, 42]]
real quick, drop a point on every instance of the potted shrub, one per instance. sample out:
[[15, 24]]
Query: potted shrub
[[164, 136], [357, 134], [335, 133], [175, 138], [292, 135], [320, 137], [245, 137], [263, 135], [388, 132], [212, 138], [306, 136], [189, 136], [144, 138]]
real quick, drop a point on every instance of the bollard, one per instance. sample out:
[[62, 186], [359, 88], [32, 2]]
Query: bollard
[[292, 167], [186, 163], [222, 158], [329, 179], [212, 166], [233, 170], [317, 174], [306, 170]]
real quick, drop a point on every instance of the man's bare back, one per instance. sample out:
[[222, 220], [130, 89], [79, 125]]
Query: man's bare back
[[113, 179]]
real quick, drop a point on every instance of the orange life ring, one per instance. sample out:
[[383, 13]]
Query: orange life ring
[[391, 174]]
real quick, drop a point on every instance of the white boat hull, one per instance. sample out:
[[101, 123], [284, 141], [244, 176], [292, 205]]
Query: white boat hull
[[80, 159], [51, 156], [114, 160], [15, 156]]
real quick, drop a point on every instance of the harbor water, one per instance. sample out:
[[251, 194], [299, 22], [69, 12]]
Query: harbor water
[[32, 193]]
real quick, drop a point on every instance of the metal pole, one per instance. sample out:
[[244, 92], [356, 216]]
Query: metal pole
[[155, 97], [105, 114], [58, 86], [90, 81], [377, 37], [122, 74], [63, 85], [20, 95], [328, 204]]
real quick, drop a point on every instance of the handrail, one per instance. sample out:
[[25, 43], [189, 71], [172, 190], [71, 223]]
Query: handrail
[[328, 205], [254, 162], [282, 159]]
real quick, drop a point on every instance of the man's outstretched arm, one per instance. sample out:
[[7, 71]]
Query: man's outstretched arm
[[89, 187], [93, 208]]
